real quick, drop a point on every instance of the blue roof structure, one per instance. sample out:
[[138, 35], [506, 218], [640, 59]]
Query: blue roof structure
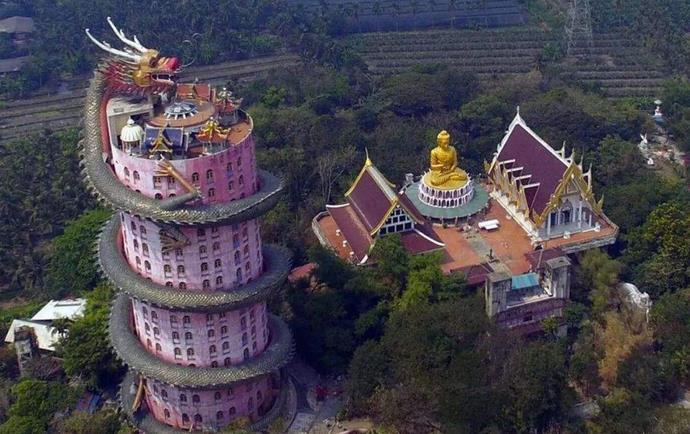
[[523, 281], [173, 136]]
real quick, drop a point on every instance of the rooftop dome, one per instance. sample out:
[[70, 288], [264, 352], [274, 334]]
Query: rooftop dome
[[131, 132]]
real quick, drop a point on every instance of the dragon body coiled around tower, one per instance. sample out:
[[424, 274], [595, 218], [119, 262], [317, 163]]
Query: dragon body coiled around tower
[[176, 162]]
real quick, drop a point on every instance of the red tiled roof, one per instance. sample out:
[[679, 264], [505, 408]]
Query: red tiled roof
[[351, 228], [537, 258], [186, 90], [415, 243], [409, 206], [427, 229], [533, 156], [475, 274], [301, 272], [369, 200]]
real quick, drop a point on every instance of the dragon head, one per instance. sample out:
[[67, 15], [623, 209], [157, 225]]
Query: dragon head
[[137, 68]]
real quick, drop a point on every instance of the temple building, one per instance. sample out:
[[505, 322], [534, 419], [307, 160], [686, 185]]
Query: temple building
[[373, 209], [547, 193], [184, 249], [510, 234]]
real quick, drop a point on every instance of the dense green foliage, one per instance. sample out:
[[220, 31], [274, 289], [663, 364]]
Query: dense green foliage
[[40, 189], [101, 422], [33, 404], [72, 267], [85, 348]]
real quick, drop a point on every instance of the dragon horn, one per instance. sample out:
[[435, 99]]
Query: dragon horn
[[106, 47], [121, 34]]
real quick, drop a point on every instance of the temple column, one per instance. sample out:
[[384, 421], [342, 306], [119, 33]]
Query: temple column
[[548, 226], [579, 214]]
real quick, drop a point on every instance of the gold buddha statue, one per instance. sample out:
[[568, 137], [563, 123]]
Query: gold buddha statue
[[444, 172]]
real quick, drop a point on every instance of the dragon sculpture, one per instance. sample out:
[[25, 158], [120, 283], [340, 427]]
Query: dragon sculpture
[[135, 68]]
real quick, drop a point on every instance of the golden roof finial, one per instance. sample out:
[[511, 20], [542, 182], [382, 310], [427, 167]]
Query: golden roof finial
[[367, 162]]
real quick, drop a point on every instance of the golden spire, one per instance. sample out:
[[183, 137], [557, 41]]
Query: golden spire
[[160, 143]]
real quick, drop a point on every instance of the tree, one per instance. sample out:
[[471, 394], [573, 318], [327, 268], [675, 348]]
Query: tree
[[85, 349], [368, 370], [671, 324], [536, 388], [391, 259], [34, 403], [430, 369], [616, 341], [103, 421], [596, 279], [36, 203], [659, 252], [72, 268], [331, 167]]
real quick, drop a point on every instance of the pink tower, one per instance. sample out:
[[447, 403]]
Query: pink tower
[[184, 249]]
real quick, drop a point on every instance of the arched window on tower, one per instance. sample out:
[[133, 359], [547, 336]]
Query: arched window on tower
[[195, 177], [219, 280], [209, 174]]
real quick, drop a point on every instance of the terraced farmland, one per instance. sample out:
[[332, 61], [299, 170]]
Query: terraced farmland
[[487, 53], [620, 66], [389, 15], [63, 110]]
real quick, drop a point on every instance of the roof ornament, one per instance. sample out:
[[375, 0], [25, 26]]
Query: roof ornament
[[367, 162]]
